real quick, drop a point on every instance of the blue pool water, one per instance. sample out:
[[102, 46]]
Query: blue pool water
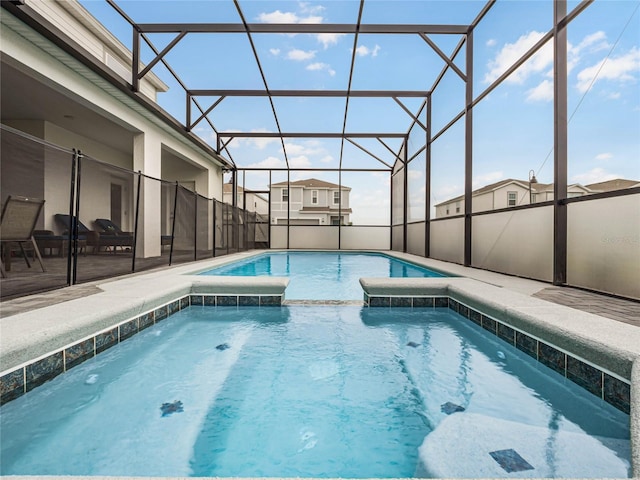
[[323, 275], [319, 391]]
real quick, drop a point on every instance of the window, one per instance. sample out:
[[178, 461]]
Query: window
[[457, 207], [512, 198], [447, 210], [336, 197], [314, 196], [285, 194]]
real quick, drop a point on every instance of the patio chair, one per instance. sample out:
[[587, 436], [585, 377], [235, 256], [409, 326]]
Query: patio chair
[[46, 239], [108, 226], [18, 220], [94, 238]]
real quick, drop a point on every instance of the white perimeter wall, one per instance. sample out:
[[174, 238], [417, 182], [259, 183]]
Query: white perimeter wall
[[518, 242], [326, 237], [415, 238], [604, 245], [447, 240]]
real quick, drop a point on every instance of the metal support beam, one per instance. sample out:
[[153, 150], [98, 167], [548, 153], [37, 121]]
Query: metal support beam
[[368, 152], [427, 186], [135, 61], [405, 200], [204, 114], [559, 144], [413, 117], [468, 151], [444, 57], [161, 55], [312, 28], [309, 135], [311, 93]]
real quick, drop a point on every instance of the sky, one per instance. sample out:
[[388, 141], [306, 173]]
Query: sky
[[513, 125]]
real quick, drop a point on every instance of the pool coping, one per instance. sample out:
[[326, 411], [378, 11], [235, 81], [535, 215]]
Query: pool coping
[[130, 303]]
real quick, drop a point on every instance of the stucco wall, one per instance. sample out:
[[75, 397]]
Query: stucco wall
[[518, 242], [447, 240], [604, 245]]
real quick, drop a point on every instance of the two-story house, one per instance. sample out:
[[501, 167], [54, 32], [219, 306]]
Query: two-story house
[[507, 193], [310, 202]]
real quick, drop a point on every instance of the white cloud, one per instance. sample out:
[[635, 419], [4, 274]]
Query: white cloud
[[278, 17], [487, 179], [269, 162], [329, 39], [290, 17], [307, 8], [542, 93], [274, 51], [491, 42], [621, 69], [327, 159], [300, 55], [594, 176], [300, 161], [321, 66], [259, 143], [511, 52], [604, 156], [363, 51]]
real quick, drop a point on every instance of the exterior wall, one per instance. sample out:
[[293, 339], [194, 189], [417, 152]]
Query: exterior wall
[[369, 238], [447, 240], [81, 27], [518, 242], [603, 245], [313, 237], [65, 74], [415, 238], [500, 196]]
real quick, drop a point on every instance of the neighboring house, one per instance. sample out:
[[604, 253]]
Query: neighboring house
[[512, 192], [254, 201], [311, 202]]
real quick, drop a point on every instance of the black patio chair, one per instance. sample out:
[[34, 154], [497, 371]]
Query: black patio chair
[[109, 227], [95, 239]]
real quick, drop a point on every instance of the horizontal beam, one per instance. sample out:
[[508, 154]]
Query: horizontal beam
[[300, 28], [312, 93], [309, 135]]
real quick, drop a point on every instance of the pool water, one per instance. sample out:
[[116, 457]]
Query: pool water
[[323, 275], [313, 391]]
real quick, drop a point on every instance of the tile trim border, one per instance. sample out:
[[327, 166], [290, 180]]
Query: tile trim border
[[21, 379], [608, 386]]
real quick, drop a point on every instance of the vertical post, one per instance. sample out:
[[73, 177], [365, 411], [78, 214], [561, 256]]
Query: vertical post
[[135, 224], [75, 220], [173, 224], [288, 203], [339, 210], [188, 120], [391, 209], [559, 144], [405, 200], [269, 213], [72, 197], [214, 226], [195, 226], [135, 62], [468, 151], [427, 185]]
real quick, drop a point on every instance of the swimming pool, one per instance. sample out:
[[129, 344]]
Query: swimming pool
[[324, 275], [314, 391]]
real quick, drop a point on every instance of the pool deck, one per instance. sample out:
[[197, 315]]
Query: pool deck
[[601, 329]]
